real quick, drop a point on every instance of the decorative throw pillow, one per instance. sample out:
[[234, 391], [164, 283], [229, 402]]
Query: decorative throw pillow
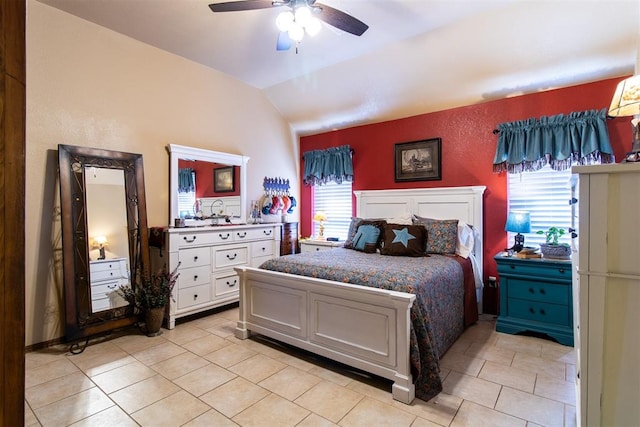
[[357, 222], [442, 234], [366, 238], [404, 240]]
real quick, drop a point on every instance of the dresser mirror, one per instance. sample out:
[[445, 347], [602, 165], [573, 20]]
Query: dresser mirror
[[206, 187], [104, 237]]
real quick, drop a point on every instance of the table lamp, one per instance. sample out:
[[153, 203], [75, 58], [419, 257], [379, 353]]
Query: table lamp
[[626, 102], [320, 217], [518, 222]]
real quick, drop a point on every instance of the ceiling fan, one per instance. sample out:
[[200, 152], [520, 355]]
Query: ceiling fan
[[300, 16]]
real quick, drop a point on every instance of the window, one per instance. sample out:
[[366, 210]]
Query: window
[[545, 194], [187, 200], [335, 201]]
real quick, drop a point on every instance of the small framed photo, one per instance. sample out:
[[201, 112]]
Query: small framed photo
[[224, 179], [418, 160]]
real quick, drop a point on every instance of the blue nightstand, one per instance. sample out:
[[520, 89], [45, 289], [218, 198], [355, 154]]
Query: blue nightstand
[[536, 295]]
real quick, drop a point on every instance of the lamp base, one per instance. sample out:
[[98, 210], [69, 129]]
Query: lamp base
[[519, 243]]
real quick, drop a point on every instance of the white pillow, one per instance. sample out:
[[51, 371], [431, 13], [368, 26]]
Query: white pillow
[[466, 239], [404, 219]]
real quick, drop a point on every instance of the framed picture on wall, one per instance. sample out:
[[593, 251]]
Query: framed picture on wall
[[418, 160], [224, 179]]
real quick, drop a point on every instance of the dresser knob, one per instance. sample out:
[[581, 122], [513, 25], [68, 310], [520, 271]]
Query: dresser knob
[[195, 297], [561, 270], [512, 266], [542, 312], [542, 291], [531, 310], [232, 284], [532, 291], [189, 241], [224, 237], [195, 278], [241, 236], [267, 232], [195, 258], [231, 258]]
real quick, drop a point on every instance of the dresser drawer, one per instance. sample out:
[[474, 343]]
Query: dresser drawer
[[194, 296], [191, 239], [253, 234], [261, 248], [194, 276], [555, 271], [96, 267], [194, 257], [227, 285], [228, 257], [104, 295], [97, 276], [539, 291], [540, 312]]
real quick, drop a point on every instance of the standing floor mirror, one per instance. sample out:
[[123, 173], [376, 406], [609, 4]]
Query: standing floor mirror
[[104, 237]]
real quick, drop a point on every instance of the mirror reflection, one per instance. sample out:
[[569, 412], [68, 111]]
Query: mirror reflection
[[206, 187], [108, 237], [208, 190]]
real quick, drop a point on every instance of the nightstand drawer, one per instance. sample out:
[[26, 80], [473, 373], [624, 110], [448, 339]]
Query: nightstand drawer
[[540, 312], [538, 269], [539, 291]]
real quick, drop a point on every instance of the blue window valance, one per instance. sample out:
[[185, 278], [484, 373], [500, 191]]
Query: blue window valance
[[332, 164], [562, 140], [186, 183]]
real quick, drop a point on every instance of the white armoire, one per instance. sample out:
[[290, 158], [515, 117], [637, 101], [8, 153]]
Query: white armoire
[[607, 295]]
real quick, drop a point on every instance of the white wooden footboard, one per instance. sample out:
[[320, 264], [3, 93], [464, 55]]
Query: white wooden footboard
[[366, 328]]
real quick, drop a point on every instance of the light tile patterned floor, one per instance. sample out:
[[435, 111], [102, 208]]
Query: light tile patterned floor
[[199, 374]]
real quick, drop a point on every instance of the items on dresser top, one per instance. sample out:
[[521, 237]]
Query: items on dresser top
[[536, 296], [207, 257]]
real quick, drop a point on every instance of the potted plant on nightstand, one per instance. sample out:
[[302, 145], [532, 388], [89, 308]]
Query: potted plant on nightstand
[[552, 248], [151, 297]]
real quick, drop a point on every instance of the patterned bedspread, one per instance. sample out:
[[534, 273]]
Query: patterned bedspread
[[437, 281]]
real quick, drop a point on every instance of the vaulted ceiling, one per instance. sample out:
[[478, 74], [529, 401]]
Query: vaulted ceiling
[[417, 56]]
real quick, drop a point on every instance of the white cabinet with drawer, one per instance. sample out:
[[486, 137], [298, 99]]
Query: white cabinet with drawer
[[107, 275], [206, 257]]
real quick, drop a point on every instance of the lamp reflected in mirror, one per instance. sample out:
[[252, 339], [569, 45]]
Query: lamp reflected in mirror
[[100, 243], [518, 222]]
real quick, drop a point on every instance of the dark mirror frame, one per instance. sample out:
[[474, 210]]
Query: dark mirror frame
[[80, 321]]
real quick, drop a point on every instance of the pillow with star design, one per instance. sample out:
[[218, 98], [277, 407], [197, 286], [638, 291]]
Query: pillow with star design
[[404, 240]]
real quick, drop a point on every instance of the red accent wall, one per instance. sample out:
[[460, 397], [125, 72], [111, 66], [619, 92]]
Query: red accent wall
[[204, 178], [468, 148]]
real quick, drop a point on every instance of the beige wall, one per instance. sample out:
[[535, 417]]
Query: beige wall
[[89, 86]]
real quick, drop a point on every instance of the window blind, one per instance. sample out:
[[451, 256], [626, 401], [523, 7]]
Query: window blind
[[335, 201], [545, 193]]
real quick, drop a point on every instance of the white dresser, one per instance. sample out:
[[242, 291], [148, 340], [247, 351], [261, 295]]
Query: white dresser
[[607, 296], [207, 256], [106, 276]]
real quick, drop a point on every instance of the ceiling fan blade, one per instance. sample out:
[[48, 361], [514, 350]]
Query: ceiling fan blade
[[341, 20], [236, 6], [284, 41]]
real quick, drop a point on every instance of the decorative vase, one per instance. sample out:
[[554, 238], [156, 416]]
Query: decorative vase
[[552, 251], [153, 321]]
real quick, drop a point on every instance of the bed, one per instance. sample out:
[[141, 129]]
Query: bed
[[370, 328]]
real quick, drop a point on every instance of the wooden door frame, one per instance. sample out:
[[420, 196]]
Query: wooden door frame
[[12, 203]]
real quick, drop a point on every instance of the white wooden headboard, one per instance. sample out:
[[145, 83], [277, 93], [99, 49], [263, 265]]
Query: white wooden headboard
[[461, 203]]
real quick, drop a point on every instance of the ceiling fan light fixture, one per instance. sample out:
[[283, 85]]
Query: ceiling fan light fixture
[[303, 15], [313, 26], [285, 20], [296, 32]]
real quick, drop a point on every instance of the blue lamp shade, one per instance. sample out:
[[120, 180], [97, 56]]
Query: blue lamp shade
[[518, 222]]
